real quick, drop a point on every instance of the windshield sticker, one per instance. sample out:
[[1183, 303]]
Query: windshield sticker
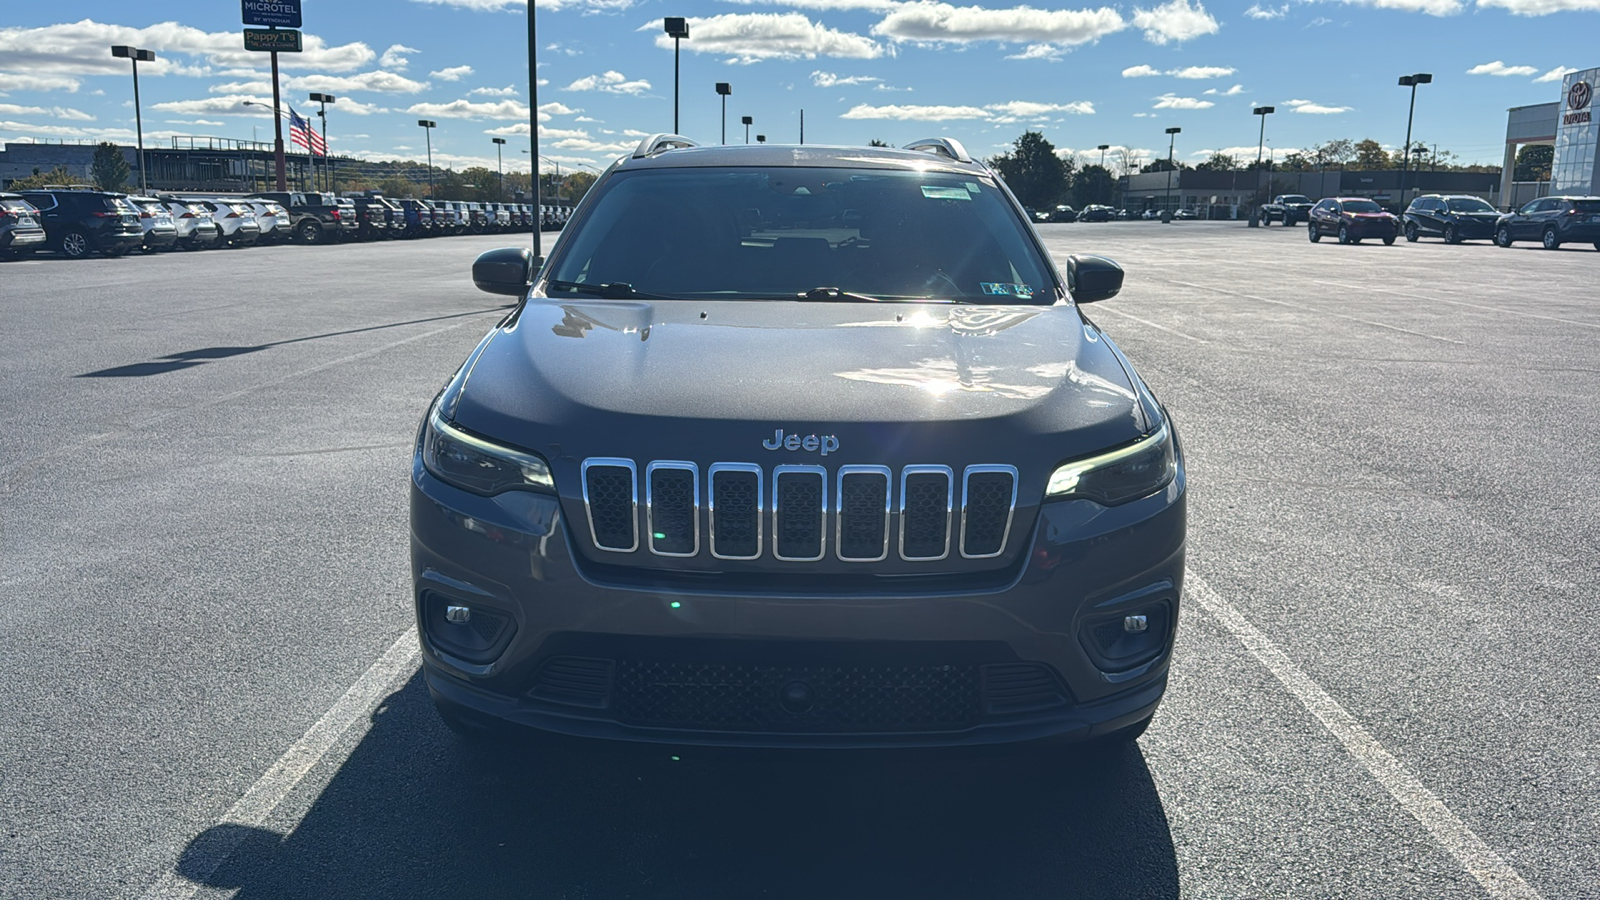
[[1010, 290], [945, 193], [972, 187]]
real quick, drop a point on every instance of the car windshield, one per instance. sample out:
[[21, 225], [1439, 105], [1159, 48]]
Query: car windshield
[[1361, 206], [825, 233], [1296, 198], [1469, 204]]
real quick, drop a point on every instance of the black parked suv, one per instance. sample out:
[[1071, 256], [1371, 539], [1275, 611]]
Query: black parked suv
[[316, 218], [81, 221], [1552, 221], [372, 218], [1455, 218], [798, 447]]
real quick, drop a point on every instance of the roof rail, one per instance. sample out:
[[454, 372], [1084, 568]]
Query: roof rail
[[943, 146], [657, 143]]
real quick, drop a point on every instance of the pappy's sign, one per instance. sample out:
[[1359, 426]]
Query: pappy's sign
[[285, 41]]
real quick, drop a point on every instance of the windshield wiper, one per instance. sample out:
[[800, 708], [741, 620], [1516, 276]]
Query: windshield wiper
[[833, 293], [610, 290]]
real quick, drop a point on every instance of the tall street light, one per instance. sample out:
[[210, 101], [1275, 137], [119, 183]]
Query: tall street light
[[1410, 81], [1103, 148], [747, 121], [1261, 143], [677, 29], [137, 55], [500, 161], [724, 89], [1172, 140], [327, 155], [428, 126]]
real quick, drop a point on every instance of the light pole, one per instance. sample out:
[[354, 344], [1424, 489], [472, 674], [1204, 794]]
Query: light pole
[[724, 89], [677, 29], [1261, 143], [135, 54], [1172, 140], [746, 120], [427, 128], [327, 156], [1103, 148], [761, 139], [501, 163], [1410, 81]]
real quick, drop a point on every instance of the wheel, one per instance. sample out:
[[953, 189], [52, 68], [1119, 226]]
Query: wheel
[[1265, 220], [1450, 235], [1502, 236], [75, 244], [1312, 232], [1552, 241], [1411, 232], [1388, 240], [1344, 235], [308, 232]]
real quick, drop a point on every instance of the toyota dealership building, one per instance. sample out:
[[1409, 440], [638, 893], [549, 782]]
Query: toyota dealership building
[[1570, 125]]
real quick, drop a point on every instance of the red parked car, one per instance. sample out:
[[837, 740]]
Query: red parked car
[[1351, 219]]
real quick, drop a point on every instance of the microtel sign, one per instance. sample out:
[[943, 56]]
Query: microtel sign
[[271, 13]]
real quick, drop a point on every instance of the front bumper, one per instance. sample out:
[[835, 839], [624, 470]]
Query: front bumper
[[1032, 656]]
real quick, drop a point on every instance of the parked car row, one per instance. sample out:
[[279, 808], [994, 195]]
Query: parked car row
[[77, 221], [1552, 221]]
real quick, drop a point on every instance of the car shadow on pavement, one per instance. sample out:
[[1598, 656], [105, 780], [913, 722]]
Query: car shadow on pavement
[[185, 359], [415, 812]]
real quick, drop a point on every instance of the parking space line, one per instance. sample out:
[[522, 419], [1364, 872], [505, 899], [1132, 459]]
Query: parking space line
[[1188, 337], [1494, 309], [1313, 309], [1493, 873], [258, 802]]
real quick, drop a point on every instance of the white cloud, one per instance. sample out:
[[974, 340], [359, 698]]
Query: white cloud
[[1018, 110], [1316, 109], [466, 109], [394, 57], [874, 5], [59, 112], [79, 48], [828, 79], [1556, 74], [241, 87], [1230, 92], [1431, 7], [1038, 51], [1140, 71], [507, 91], [206, 122], [499, 5], [380, 81], [933, 22], [1258, 11], [751, 37], [1173, 101], [16, 81], [1175, 20], [916, 113], [1542, 7], [1199, 72], [611, 82], [229, 105], [454, 73], [1499, 68]]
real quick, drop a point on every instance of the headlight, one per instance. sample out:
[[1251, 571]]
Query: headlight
[[477, 465], [1134, 471]]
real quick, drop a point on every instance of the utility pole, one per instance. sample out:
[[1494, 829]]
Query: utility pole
[[1172, 140], [1261, 143], [427, 128]]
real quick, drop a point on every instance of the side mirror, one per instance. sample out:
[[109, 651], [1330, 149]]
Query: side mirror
[[1091, 278], [508, 270]]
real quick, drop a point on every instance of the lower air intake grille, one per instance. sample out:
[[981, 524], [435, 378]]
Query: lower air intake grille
[[574, 681], [745, 697]]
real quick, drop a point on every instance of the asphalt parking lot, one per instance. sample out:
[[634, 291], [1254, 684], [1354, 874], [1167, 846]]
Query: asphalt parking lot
[[1385, 683]]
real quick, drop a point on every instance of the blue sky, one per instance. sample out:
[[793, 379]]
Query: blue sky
[[1082, 74]]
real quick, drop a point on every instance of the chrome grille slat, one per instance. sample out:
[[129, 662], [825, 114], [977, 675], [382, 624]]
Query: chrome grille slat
[[988, 501], [672, 507], [611, 499], [861, 524]]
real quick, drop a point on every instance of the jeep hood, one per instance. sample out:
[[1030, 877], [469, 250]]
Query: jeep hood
[[712, 380]]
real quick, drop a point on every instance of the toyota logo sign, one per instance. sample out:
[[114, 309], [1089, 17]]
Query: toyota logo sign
[[1579, 94]]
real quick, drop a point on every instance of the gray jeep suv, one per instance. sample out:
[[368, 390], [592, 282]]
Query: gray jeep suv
[[798, 446]]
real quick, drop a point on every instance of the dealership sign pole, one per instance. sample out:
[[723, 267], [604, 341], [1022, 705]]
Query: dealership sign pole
[[273, 14]]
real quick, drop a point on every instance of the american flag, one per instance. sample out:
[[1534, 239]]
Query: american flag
[[301, 132]]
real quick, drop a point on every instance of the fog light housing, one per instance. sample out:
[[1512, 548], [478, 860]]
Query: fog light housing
[[475, 634], [1125, 638]]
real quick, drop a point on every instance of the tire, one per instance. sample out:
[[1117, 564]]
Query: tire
[[1388, 241], [75, 245], [1552, 240], [1344, 235], [308, 232], [1312, 233], [1502, 236], [1450, 235], [1411, 232]]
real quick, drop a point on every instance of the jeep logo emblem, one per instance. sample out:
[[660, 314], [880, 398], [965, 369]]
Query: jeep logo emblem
[[826, 443]]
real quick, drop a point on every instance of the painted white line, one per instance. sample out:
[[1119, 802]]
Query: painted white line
[[1497, 877], [1313, 309], [1501, 310], [1175, 331], [274, 786]]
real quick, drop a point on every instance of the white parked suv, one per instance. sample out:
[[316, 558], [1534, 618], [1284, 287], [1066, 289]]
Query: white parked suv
[[237, 218], [271, 218], [197, 229]]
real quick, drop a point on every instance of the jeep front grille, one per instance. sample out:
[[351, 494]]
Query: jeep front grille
[[860, 501]]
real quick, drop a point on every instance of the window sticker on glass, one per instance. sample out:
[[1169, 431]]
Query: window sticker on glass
[[1001, 288], [972, 187], [945, 193]]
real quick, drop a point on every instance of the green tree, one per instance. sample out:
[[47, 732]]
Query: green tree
[[1033, 171], [58, 175], [1219, 162], [877, 143], [1294, 162], [1534, 162], [110, 167], [1340, 153], [1092, 184], [1161, 165], [1371, 155]]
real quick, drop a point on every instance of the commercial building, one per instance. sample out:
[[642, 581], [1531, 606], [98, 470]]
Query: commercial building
[[1570, 126], [187, 164], [1229, 195]]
